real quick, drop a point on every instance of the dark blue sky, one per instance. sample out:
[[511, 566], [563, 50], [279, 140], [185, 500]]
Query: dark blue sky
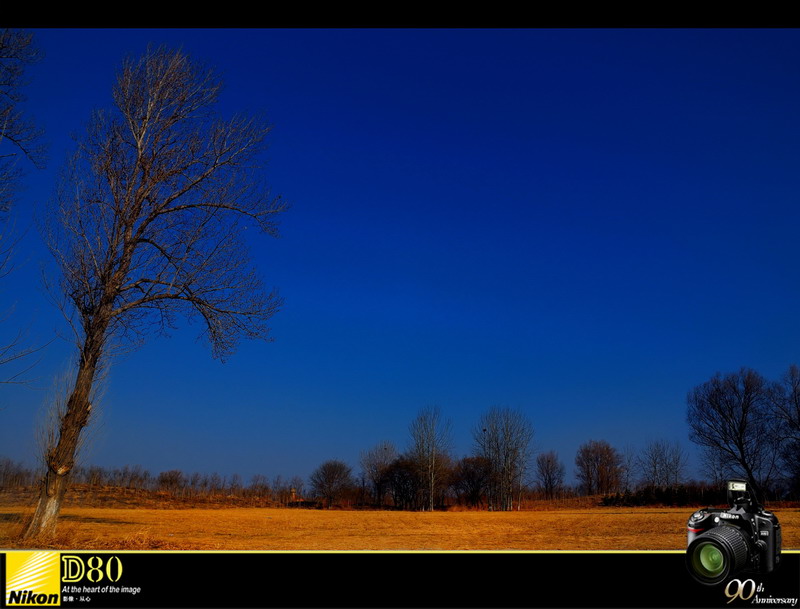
[[579, 224]]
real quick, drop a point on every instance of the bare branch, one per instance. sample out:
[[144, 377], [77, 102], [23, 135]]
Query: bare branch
[[19, 138], [732, 418]]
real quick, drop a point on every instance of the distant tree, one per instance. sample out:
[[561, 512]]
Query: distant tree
[[549, 474], [235, 485], [195, 484], [297, 487], [406, 483], [470, 479], [330, 480], [147, 226], [281, 490], [629, 460], [14, 474], [216, 484], [375, 463], [504, 438], [259, 486], [732, 418], [430, 447], [661, 464], [171, 481], [598, 467], [96, 476]]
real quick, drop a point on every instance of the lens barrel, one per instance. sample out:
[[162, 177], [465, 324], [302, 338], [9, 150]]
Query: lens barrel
[[717, 554]]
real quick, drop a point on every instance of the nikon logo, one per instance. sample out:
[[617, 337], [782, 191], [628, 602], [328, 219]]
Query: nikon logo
[[32, 579], [729, 516], [29, 597]]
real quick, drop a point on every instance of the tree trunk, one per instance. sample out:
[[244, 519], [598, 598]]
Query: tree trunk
[[50, 498], [60, 458]]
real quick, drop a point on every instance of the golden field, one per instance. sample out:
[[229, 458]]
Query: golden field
[[250, 528]]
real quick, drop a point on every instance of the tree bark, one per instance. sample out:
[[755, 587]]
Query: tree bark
[[50, 498], [60, 458]]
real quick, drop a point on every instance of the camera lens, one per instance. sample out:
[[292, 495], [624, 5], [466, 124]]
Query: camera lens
[[708, 560], [717, 554]]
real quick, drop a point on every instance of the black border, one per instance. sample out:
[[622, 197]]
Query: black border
[[421, 579]]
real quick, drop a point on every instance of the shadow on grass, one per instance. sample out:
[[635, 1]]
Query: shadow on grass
[[90, 519], [10, 517]]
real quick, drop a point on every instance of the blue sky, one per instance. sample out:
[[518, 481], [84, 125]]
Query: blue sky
[[578, 224]]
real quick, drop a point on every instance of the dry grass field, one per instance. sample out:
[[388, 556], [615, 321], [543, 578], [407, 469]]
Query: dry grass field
[[244, 528]]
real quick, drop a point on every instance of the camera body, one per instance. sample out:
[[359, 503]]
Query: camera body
[[723, 542]]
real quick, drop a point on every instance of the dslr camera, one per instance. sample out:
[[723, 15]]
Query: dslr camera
[[723, 542]]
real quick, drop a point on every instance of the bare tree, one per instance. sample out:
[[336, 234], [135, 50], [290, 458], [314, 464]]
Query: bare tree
[[15, 475], [549, 473], [661, 464], [375, 464], [298, 488], [281, 490], [786, 399], [732, 418], [146, 226], [628, 461], [235, 485], [599, 468], [19, 138], [430, 447], [786, 404], [172, 481], [504, 438], [470, 479], [331, 479], [406, 483], [259, 486], [215, 483]]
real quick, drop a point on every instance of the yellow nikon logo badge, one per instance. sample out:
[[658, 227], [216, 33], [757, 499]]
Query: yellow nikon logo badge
[[33, 579]]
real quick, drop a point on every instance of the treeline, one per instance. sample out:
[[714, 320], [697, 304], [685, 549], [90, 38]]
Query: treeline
[[688, 493], [465, 483], [427, 476], [388, 479], [281, 491], [747, 426], [501, 473]]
